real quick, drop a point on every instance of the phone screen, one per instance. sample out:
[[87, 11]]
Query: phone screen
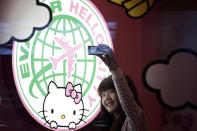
[[99, 50], [93, 50]]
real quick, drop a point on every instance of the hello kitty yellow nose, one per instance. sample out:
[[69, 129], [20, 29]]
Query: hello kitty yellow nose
[[62, 116]]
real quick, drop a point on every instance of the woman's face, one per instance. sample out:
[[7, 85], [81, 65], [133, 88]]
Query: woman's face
[[110, 100]]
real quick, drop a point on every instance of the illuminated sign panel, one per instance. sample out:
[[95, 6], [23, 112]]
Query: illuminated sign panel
[[56, 79]]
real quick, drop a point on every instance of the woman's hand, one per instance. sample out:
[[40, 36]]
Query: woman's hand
[[109, 60]]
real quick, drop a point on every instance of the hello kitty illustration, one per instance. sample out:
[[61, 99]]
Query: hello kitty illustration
[[63, 107]]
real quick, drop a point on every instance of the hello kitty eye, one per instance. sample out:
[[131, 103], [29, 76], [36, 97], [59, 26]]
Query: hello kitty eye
[[52, 111], [74, 112]]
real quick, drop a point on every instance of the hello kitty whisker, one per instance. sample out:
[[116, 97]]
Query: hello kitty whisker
[[42, 111], [82, 120], [83, 115], [45, 117], [84, 109]]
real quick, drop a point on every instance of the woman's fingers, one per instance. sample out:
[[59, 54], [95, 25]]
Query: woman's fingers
[[105, 58], [109, 60]]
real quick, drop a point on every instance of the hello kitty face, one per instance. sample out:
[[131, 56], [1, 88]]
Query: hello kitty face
[[57, 109]]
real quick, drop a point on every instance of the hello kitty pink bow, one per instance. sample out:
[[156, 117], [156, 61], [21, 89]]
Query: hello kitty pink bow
[[70, 91]]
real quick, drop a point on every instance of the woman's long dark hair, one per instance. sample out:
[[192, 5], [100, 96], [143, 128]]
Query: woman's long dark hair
[[106, 84]]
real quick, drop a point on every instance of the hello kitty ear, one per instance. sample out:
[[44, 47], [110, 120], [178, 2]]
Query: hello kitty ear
[[52, 87]]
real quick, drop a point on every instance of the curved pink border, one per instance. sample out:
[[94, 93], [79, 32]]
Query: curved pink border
[[21, 97]]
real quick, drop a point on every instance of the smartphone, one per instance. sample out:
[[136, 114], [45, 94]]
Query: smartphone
[[101, 49]]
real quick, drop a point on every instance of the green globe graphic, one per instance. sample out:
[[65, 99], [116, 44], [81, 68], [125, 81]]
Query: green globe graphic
[[44, 46]]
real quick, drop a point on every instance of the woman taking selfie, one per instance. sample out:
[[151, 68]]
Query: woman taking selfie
[[119, 98]]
